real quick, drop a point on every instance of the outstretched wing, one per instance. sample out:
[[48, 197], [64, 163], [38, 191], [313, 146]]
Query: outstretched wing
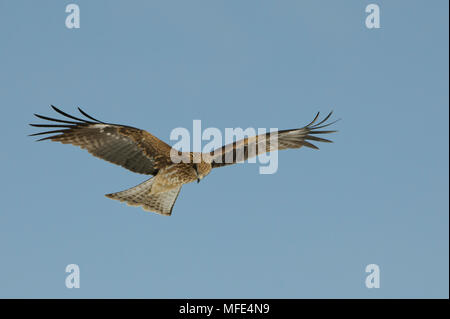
[[246, 148], [129, 147]]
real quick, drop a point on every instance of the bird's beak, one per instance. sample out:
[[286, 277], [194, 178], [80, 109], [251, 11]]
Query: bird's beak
[[198, 180]]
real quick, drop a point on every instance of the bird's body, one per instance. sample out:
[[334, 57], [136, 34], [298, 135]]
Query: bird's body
[[172, 176], [177, 174], [141, 152]]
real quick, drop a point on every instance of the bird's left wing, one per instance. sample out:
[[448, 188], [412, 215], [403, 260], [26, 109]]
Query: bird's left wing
[[246, 148], [129, 147]]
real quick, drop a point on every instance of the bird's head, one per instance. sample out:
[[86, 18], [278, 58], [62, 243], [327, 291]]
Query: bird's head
[[202, 169]]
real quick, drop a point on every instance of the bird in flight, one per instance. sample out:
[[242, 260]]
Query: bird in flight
[[140, 152]]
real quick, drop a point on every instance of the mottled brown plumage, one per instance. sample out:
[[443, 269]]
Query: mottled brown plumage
[[141, 152]]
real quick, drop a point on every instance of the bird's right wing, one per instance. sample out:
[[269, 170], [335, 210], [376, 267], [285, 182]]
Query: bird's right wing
[[129, 147]]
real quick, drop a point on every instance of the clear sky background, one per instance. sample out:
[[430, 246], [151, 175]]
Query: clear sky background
[[379, 194]]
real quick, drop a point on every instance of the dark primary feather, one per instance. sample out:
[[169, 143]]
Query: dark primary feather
[[88, 116], [286, 139], [129, 147]]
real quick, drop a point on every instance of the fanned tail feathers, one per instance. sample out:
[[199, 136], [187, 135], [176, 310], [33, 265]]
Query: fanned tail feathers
[[161, 203]]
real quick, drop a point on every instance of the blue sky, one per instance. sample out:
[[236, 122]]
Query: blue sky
[[379, 194]]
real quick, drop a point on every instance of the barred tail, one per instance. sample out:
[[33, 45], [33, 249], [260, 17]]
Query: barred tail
[[161, 203]]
